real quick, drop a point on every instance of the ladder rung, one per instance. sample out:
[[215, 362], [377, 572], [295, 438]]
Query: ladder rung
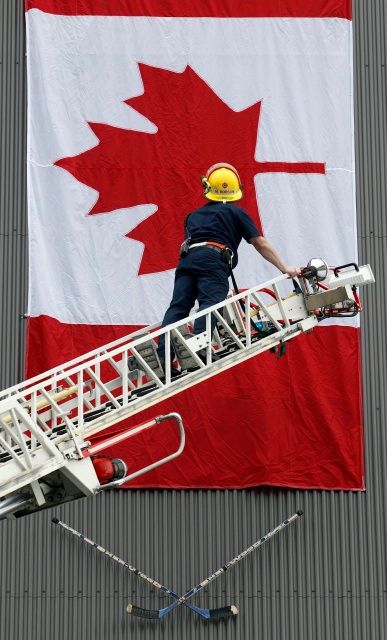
[[63, 407]]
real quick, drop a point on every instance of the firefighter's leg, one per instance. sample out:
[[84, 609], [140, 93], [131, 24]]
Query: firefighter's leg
[[212, 285], [183, 299]]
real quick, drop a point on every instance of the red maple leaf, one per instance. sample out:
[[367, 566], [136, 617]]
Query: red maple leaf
[[195, 129]]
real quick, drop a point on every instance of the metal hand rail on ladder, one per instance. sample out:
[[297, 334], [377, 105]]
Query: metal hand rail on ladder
[[45, 422]]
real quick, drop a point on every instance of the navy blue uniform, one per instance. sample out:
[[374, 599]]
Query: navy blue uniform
[[202, 274], [225, 223]]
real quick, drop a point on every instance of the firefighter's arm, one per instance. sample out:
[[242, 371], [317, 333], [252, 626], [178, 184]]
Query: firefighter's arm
[[263, 246]]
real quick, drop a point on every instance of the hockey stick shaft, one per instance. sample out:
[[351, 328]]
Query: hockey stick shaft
[[183, 599], [242, 555], [205, 613]]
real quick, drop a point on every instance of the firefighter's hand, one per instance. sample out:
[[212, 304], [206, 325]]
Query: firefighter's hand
[[292, 272]]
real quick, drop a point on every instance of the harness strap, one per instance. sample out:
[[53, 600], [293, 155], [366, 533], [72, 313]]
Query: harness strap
[[212, 244]]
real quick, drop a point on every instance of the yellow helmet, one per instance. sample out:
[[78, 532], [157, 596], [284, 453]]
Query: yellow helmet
[[222, 183]]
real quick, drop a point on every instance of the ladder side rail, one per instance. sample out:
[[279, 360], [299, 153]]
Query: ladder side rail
[[105, 356], [154, 332], [101, 357], [215, 307], [166, 330], [111, 385], [14, 480], [188, 380], [114, 345], [180, 383], [157, 332], [59, 370], [132, 340], [279, 314]]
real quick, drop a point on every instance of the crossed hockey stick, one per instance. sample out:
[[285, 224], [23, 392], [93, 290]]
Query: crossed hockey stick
[[138, 611], [222, 612]]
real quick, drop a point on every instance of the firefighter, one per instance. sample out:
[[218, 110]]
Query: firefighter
[[210, 248]]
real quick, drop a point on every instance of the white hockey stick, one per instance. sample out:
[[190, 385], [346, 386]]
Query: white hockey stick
[[160, 613], [222, 612]]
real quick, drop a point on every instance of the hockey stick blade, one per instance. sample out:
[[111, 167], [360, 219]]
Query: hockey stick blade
[[144, 613], [157, 614], [150, 614], [223, 612]]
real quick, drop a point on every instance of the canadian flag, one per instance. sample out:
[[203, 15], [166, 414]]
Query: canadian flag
[[129, 103]]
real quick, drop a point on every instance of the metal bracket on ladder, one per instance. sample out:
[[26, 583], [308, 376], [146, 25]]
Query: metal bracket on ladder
[[46, 423], [55, 469]]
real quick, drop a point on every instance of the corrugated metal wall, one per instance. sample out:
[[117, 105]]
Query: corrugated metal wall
[[324, 578], [13, 217]]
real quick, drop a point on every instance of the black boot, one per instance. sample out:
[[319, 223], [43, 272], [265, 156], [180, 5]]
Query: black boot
[[174, 371], [203, 356]]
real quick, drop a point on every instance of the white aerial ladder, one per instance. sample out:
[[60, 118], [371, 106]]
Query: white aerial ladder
[[47, 423]]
